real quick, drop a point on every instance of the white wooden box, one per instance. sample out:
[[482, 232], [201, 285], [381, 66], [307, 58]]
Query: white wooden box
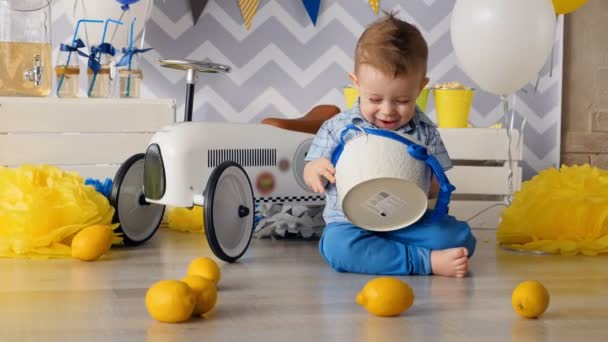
[[481, 172], [95, 136], [90, 136]]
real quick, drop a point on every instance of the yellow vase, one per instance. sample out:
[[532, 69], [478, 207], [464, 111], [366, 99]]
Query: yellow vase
[[453, 107]]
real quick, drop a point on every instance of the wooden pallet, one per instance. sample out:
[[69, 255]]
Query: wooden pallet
[[481, 171], [90, 136], [95, 136]]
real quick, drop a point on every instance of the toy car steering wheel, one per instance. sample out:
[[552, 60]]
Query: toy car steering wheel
[[192, 69]]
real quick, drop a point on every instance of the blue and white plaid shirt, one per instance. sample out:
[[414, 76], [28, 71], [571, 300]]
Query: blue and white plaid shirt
[[328, 136]]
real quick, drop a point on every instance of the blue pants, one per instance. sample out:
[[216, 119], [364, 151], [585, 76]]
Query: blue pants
[[407, 251]]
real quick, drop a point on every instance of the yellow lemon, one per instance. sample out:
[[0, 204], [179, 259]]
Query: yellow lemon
[[206, 268], [386, 296], [92, 242], [205, 293], [530, 299], [170, 301]]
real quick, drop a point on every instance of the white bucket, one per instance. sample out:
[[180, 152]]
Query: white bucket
[[381, 187]]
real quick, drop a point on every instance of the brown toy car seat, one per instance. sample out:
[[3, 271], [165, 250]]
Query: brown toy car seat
[[309, 123]]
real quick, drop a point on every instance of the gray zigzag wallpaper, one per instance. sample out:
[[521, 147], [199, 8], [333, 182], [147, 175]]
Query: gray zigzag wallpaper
[[284, 65]]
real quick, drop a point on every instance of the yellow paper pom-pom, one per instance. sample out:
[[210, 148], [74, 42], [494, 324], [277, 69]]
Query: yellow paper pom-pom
[[43, 207], [561, 211], [186, 219]]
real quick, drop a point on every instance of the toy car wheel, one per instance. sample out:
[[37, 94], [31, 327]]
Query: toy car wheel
[[229, 211], [138, 218]]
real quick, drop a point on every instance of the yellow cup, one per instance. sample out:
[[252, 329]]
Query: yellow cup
[[423, 99], [453, 107], [351, 94]]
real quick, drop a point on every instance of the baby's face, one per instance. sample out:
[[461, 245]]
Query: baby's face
[[387, 102]]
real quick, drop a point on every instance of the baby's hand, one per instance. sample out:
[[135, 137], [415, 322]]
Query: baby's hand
[[314, 170]]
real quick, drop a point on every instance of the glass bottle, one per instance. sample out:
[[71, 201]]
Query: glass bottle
[[25, 48], [100, 83], [130, 78], [67, 71]]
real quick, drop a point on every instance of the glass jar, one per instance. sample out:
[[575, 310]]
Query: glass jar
[[67, 71], [25, 48], [100, 82], [130, 78]]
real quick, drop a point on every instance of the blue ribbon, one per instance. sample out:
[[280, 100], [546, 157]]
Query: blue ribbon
[[128, 55], [101, 49], [416, 151], [74, 47]]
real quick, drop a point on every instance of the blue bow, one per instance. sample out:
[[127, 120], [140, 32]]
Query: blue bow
[[78, 44], [103, 48], [128, 55]]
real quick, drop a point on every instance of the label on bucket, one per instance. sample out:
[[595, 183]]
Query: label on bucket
[[384, 204]]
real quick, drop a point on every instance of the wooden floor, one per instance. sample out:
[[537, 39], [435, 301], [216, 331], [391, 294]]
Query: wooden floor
[[282, 291]]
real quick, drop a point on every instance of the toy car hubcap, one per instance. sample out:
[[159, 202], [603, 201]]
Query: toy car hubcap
[[138, 218], [229, 211]]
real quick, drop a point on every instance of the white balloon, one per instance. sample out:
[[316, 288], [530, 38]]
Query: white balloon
[[108, 9], [502, 44]]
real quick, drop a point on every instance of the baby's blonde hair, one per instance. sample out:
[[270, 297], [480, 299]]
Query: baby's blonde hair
[[393, 46]]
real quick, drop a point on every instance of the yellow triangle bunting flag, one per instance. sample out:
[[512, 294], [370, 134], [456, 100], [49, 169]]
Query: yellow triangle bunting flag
[[248, 10], [374, 5]]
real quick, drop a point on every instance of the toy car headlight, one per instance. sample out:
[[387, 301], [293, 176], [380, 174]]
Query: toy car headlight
[[154, 173]]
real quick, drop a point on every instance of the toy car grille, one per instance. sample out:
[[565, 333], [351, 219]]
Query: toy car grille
[[245, 157]]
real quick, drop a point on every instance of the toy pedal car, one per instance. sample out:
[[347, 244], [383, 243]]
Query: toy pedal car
[[225, 167]]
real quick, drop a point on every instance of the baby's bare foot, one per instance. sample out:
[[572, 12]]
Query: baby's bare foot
[[451, 262]]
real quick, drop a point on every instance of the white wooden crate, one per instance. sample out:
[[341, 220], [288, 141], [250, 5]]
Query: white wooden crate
[[94, 136], [90, 136], [481, 170]]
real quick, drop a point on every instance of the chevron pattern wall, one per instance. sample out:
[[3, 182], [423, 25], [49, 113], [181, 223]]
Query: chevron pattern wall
[[284, 65]]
